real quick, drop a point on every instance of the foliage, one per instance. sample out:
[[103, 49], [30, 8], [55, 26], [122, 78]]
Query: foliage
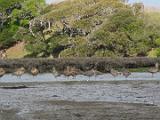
[[114, 29], [16, 21]]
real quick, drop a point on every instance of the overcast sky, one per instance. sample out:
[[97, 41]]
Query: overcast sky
[[149, 2], [53, 1], [146, 2]]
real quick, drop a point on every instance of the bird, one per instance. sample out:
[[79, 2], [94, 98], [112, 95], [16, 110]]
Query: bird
[[66, 72], [115, 73], [19, 72], [91, 73], [71, 71], [154, 69], [126, 73], [96, 73], [74, 72], [55, 72], [34, 71], [2, 72]]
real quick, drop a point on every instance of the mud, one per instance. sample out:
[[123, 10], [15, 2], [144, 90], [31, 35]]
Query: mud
[[14, 87], [92, 100]]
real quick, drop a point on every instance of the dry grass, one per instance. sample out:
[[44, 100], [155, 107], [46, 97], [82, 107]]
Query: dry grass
[[17, 51]]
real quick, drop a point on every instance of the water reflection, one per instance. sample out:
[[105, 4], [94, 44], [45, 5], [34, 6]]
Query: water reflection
[[50, 77]]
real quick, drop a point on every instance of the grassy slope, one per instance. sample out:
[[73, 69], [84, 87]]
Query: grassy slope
[[17, 51], [152, 15]]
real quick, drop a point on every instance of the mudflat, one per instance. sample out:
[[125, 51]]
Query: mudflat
[[115, 100]]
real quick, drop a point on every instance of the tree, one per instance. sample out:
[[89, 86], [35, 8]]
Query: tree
[[122, 34], [15, 15]]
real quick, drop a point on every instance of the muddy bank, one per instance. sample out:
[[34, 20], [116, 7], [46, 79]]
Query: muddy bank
[[70, 110], [97, 111], [9, 114], [83, 64]]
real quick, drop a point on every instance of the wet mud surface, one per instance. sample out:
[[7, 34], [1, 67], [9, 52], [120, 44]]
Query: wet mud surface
[[97, 100]]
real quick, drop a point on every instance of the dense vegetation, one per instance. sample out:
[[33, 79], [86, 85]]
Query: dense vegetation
[[104, 65], [83, 28], [14, 18]]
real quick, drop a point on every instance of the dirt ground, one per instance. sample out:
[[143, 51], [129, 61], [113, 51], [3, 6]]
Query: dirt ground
[[116, 100]]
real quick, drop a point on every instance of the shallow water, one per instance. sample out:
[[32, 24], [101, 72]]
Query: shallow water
[[50, 77]]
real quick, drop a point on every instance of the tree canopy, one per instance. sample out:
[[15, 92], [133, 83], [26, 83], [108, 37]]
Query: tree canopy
[[82, 28], [14, 19]]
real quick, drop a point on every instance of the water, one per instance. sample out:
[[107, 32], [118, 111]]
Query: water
[[47, 77]]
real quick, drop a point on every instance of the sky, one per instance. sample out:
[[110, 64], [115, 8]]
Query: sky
[[146, 2], [53, 1]]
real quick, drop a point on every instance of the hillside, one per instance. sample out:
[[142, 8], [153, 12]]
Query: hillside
[[100, 28]]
